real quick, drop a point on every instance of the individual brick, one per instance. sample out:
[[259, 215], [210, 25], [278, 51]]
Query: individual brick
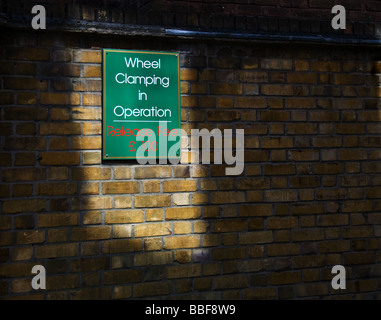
[[120, 187], [256, 237], [152, 172], [122, 245], [152, 289], [152, 202], [152, 258], [182, 213], [91, 203], [56, 189], [179, 185], [153, 229], [23, 174], [91, 173], [90, 233], [23, 206], [229, 225], [58, 98], [57, 250], [181, 242], [87, 56], [59, 158], [228, 197]]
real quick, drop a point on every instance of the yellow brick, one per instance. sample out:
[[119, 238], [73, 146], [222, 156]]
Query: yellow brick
[[25, 144], [308, 235], [88, 56], [200, 198], [189, 101], [202, 284], [50, 98], [275, 89], [200, 226], [228, 197], [60, 114], [182, 227], [183, 256], [152, 244], [22, 190], [282, 196], [179, 185], [90, 233], [123, 202], [151, 202], [58, 173], [25, 84], [25, 113], [120, 187], [153, 229], [183, 271], [21, 286], [91, 203], [283, 249], [22, 253], [87, 113], [154, 214], [152, 289], [282, 278], [91, 173], [122, 231], [58, 144], [256, 237], [180, 242], [152, 172], [87, 85], [92, 158], [92, 217], [182, 213], [273, 143], [122, 245], [92, 71], [60, 128], [57, 250], [59, 158], [93, 99], [229, 225], [23, 206], [30, 237], [89, 188], [188, 74], [226, 89], [152, 186], [124, 216], [56, 189], [184, 89], [181, 199], [152, 258], [282, 223], [86, 143], [230, 282], [122, 173], [90, 128]]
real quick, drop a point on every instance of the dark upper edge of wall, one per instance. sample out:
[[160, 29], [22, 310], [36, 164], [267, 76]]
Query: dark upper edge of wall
[[287, 37], [107, 28]]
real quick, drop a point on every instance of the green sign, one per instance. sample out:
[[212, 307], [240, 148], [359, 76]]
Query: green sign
[[141, 104]]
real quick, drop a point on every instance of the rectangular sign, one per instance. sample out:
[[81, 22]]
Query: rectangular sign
[[141, 104]]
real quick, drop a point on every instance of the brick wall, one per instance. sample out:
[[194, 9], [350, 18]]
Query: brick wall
[[308, 199]]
